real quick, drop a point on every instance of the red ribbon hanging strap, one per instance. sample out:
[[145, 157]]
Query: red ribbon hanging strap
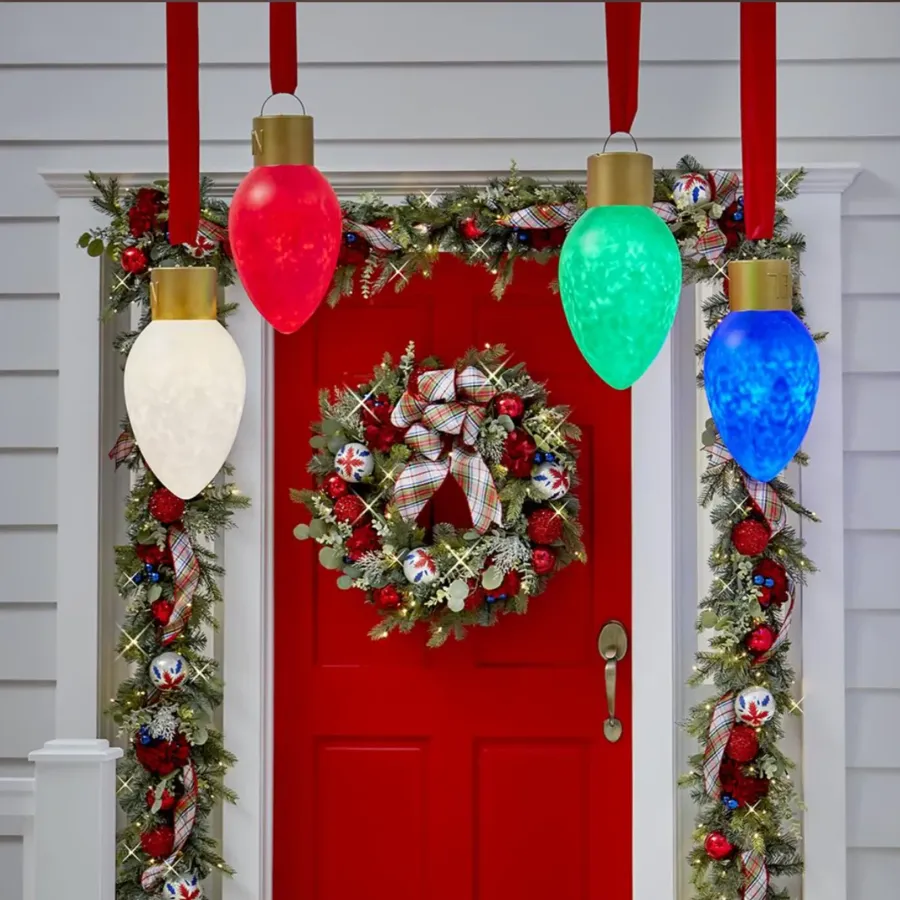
[[623, 60], [758, 114], [283, 47], [183, 89]]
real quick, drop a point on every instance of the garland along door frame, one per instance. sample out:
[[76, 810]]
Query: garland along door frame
[[489, 756]]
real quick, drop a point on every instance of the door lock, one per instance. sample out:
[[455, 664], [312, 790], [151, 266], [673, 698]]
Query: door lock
[[613, 645]]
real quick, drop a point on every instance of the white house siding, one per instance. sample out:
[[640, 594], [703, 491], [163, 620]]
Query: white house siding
[[451, 87]]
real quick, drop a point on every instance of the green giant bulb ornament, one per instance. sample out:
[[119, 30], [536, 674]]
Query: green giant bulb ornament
[[620, 271]]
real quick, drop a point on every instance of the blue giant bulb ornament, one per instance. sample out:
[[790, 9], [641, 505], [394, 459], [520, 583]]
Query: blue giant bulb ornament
[[620, 271], [761, 370]]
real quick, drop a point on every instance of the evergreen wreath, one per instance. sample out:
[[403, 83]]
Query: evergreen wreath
[[384, 448]]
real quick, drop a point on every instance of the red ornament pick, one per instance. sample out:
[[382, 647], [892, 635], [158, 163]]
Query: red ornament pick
[[750, 537], [509, 404], [159, 842], [469, 229], [760, 640], [743, 744], [387, 597], [165, 507], [543, 559], [544, 526], [717, 846], [349, 508], [162, 610], [167, 801], [334, 486], [285, 234], [133, 260]]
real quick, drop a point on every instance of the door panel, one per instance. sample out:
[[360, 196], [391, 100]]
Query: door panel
[[479, 769]]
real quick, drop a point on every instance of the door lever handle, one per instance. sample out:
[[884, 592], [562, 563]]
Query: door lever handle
[[613, 645]]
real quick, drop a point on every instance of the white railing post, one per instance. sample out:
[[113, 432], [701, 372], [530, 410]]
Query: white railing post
[[75, 820]]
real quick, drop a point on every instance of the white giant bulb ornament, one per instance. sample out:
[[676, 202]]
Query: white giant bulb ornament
[[184, 382]]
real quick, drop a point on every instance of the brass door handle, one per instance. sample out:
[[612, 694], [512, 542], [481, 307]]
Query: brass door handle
[[613, 645]]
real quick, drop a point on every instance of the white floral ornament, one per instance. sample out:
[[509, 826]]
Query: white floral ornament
[[550, 481], [754, 706], [354, 462], [168, 671], [419, 567], [691, 189], [183, 887]]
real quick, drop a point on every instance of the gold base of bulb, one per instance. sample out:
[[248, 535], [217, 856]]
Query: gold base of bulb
[[620, 179], [759, 284], [183, 292], [282, 141]]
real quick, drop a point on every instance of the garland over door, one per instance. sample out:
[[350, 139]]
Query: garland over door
[[478, 770]]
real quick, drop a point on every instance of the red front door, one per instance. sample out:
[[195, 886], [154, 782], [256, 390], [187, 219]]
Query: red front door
[[479, 770]]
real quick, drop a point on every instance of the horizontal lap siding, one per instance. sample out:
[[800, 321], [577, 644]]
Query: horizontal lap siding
[[455, 87]]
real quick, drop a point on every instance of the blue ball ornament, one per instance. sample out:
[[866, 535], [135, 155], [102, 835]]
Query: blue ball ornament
[[761, 370], [154, 577], [729, 802], [144, 735]]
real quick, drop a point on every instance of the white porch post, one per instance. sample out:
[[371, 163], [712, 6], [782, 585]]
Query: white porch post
[[75, 820]]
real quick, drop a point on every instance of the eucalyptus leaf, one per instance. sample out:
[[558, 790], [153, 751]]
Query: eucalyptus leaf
[[708, 619], [95, 247], [318, 442], [723, 623], [458, 590], [336, 442], [492, 579], [154, 593], [317, 529], [301, 532], [471, 536], [345, 582], [506, 422], [353, 571], [331, 427], [84, 240], [199, 736], [708, 438], [330, 558], [157, 801]]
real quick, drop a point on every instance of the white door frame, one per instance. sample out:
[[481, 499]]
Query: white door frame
[[662, 599]]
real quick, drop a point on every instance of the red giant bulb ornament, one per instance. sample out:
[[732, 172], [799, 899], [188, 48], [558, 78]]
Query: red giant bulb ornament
[[285, 224]]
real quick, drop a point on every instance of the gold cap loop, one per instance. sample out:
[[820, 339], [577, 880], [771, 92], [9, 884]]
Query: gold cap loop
[[183, 292], [759, 284], [282, 141], [620, 179]]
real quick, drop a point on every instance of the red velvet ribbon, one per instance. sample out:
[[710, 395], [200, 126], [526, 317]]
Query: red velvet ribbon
[[623, 61], [758, 137], [183, 90], [283, 47]]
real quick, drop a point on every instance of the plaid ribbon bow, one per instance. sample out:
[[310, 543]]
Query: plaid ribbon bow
[[184, 818], [711, 241], [446, 402], [534, 217], [122, 449], [763, 496]]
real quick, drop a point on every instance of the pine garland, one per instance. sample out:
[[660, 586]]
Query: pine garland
[[178, 724]]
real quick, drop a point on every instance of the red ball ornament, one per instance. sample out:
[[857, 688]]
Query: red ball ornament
[[134, 260], [750, 537], [509, 404], [165, 507], [159, 842], [469, 229], [162, 610], [717, 846], [166, 803], [544, 526], [760, 640], [285, 233], [543, 559], [743, 744], [349, 508], [387, 597], [334, 486]]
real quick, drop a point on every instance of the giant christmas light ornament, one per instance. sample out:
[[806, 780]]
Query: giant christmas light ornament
[[285, 224], [184, 382], [620, 271], [761, 370]]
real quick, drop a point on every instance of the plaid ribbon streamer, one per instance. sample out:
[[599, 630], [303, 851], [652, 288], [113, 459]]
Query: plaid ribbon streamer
[[376, 237], [725, 186], [756, 875], [785, 628], [762, 495], [211, 231], [122, 449], [187, 575], [534, 217], [184, 818], [720, 725], [446, 402]]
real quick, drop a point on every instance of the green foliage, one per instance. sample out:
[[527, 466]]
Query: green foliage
[[732, 609], [191, 709]]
